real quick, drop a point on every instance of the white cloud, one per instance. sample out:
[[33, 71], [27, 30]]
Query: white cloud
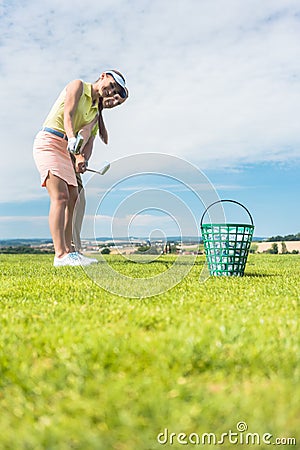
[[139, 224], [22, 219], [216, 82]]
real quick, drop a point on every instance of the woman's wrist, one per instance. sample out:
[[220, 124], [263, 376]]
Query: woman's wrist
[[75, 144], [72, 145]]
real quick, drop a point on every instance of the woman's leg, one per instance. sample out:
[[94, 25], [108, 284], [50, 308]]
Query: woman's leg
[[73, 196], [78, 218], [59, 198]]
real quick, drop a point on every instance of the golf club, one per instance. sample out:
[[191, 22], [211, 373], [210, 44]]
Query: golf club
[[102, 171]]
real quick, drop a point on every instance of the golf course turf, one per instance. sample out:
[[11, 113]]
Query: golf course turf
[[81, 368]]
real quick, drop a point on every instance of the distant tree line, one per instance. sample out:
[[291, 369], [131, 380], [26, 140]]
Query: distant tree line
[[288, 237], [274, 250], [10, 249]]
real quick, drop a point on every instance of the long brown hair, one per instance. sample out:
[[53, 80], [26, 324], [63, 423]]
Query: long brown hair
[[101, 125]]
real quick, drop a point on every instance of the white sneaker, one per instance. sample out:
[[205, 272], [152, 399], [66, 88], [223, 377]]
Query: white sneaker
[[72, 259]]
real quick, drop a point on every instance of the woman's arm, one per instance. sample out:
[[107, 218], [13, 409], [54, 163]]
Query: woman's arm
[[88, 148], [73, 94], [80, 164]]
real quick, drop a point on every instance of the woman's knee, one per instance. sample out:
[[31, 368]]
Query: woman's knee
[[60, 198]]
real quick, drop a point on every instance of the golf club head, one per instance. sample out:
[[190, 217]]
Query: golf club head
[[104, 168], [102, 171]]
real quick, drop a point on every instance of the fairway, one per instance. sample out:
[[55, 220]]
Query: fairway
[[81, 368]]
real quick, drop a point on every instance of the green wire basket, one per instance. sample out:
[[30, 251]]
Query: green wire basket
[[226, 245]]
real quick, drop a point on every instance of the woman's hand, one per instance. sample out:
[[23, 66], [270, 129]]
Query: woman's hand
[[80, 166]]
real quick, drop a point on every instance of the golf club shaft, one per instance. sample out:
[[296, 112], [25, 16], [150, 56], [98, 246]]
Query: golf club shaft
[[92, 170]]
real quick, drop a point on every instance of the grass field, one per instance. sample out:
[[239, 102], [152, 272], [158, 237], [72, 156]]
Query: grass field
[[81, 368]]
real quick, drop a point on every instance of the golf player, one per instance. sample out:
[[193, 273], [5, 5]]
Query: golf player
[[79, 105]]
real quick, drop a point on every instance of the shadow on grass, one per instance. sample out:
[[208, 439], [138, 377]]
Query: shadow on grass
[[260, 275], [155, 261]]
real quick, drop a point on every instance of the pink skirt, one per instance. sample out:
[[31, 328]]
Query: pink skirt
[[50, 154]]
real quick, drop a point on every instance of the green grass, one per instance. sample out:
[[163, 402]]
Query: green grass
[[81, 368]]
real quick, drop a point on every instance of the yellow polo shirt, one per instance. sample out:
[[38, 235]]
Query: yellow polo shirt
[[84, 113]]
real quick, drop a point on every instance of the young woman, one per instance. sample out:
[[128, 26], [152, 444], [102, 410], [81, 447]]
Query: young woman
[[78, 106]]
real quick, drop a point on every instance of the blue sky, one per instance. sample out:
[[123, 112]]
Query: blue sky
[[213, 83]]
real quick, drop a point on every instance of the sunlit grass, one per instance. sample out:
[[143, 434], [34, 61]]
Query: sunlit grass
[[81, 368]]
